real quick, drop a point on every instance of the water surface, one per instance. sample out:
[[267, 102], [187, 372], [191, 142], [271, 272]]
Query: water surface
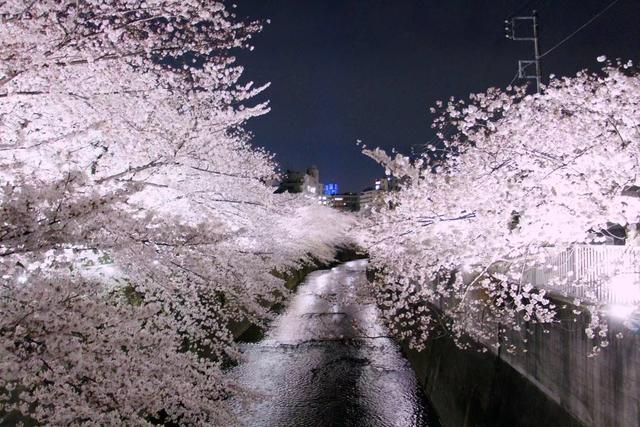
[[327, 361]]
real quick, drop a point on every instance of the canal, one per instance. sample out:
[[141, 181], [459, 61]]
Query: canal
[[327, 361]]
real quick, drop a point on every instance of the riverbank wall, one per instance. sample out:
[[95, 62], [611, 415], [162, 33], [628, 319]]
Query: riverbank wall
[[552, 383]]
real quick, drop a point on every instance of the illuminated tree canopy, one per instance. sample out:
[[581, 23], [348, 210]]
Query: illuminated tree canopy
[[514, 179], [136, 222]]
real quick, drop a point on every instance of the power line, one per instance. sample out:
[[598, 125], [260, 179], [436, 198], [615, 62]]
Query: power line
[[519, 72], [610, 5], [514, 78]]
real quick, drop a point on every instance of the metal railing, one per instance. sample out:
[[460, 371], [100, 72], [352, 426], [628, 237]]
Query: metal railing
[[605, 273]]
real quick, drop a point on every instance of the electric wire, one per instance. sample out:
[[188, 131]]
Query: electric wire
[[609, 6], [517, 75], [514, 78]]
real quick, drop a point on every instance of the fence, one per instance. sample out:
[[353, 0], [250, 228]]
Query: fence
[[605, 272]]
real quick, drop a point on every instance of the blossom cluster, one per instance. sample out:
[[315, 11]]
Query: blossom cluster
[[137, 223], [513, 179]]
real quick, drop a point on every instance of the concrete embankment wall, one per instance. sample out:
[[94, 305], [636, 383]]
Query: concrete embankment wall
[[599, 391], [553, 383]]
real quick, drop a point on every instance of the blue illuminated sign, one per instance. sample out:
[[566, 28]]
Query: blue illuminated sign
[[331, 189]]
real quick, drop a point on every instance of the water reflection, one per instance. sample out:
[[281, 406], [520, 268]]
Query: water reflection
[[328, 362]]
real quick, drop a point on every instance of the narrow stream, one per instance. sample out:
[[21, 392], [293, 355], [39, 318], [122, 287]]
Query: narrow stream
[[327, 361]]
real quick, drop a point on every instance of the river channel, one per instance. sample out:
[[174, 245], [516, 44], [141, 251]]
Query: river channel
[[328, 361]]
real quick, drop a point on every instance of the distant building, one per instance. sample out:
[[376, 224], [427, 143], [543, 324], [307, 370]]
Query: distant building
[[373, 198], [349, 202], [291, 183], [311, 184], [307, 183]]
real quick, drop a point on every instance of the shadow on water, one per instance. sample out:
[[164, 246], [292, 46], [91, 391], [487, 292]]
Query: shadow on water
[[327, 361]]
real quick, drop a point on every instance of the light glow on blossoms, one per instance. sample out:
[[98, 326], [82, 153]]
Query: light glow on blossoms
[[515, 181], [621, 311], [136, 226], [625, 288]]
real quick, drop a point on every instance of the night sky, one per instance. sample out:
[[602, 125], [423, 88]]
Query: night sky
[[344, 70]]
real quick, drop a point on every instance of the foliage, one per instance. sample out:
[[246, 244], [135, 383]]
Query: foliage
[[136, 223], [514, 179]]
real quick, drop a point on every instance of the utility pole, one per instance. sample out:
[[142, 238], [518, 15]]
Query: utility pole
[[511, 33]]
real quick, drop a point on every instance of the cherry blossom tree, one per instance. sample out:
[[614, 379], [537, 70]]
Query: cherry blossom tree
[[513, 180], [136, 223]]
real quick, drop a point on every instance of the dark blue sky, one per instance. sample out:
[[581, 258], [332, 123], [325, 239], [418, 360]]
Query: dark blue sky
[[343, 70]]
